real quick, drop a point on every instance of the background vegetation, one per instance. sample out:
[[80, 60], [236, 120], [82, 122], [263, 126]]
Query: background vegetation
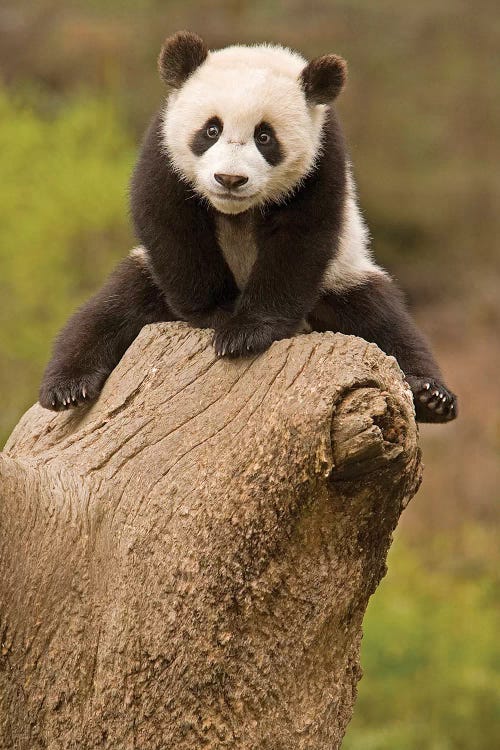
[[77, 86]]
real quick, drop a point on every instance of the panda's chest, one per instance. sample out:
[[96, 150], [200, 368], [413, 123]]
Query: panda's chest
[[236, 238]]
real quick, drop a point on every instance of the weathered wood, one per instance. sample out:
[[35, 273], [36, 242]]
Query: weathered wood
[[187, 563]]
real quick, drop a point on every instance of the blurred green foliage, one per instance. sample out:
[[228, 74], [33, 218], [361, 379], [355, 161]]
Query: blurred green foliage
[[431, 656], [63, 220]]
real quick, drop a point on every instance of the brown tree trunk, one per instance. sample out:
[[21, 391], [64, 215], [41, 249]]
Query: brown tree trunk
[[187, 563]]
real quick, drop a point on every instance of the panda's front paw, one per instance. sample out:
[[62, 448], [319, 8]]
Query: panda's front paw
[[433, 401], [62, 391], [241, 336], [215, 318]]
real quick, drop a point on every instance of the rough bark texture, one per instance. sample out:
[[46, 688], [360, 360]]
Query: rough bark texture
[[187, 563]]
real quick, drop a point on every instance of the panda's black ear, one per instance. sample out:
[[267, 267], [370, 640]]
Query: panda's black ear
[[323, 79], [181, 54]]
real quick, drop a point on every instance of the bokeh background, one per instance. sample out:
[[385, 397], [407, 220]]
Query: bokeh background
[[77, 85]]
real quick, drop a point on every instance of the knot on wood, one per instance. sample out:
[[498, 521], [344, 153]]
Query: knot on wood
[[370, 431]]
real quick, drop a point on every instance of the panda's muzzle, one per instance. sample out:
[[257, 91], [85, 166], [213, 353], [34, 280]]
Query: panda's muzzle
[[231, 181]]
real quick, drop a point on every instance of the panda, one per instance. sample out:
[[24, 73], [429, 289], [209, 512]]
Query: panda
[[245, 208]]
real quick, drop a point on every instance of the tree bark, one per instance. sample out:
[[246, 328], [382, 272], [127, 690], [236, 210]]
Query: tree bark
[[186, 564]]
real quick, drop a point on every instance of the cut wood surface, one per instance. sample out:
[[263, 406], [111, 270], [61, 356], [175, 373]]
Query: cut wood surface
[[186, 564]]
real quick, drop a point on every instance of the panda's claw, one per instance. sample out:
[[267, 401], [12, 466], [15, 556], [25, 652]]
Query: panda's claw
[[433, 401], [61, 391], [242, 335]]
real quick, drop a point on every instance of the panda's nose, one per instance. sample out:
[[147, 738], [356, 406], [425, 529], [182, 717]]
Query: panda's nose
[[231, 181]]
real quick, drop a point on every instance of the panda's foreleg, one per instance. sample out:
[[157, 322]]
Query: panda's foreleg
[[95, 338], [376, 311]]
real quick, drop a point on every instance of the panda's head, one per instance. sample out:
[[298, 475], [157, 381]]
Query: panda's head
[[243, 125]]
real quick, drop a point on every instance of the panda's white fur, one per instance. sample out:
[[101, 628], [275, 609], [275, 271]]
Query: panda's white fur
[[236, 239], [353, 263], [244, 85]]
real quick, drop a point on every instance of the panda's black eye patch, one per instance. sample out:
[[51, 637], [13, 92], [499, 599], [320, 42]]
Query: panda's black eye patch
[[206, 136], [268, 144]]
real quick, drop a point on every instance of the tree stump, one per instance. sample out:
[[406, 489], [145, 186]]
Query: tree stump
[[186, 564]]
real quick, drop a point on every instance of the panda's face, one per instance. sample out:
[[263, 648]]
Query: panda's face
[[240, 130]]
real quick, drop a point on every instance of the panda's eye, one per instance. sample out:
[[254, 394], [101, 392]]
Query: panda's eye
[[213, 131], [263, 138], [267, 143]]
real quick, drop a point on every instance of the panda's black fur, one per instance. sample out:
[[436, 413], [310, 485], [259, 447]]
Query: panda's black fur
[[183, 275]]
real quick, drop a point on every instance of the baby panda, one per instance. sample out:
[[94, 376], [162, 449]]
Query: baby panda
[[245, 208]]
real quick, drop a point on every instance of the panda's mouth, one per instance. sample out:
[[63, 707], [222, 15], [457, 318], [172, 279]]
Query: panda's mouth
[[233, 197]]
